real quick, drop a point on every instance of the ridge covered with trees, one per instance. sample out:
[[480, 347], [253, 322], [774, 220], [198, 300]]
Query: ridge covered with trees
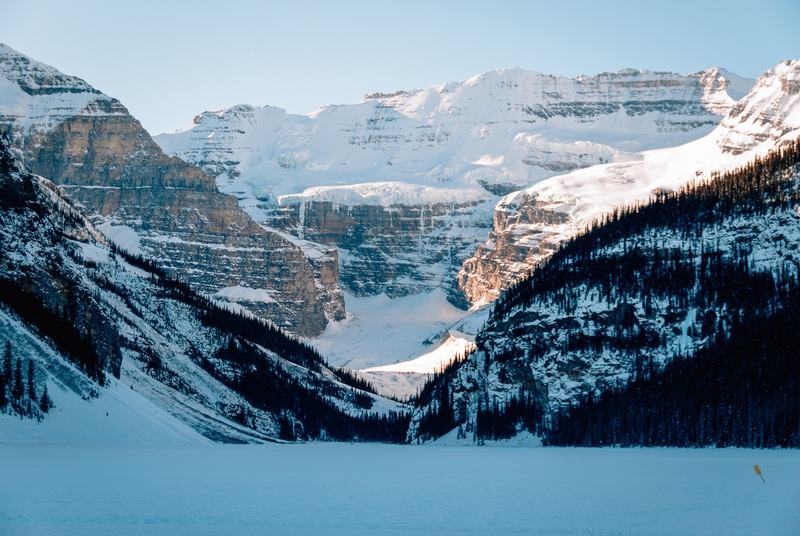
[[676, 318], [93, 303]]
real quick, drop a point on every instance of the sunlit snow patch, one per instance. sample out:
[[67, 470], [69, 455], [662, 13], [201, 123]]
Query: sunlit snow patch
[[453, 344]]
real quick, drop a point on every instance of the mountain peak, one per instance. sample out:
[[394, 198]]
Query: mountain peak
[[769, 112], [36, 78]]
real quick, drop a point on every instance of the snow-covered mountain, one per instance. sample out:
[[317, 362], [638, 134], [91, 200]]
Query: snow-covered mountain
[[529, 224], [705, 279], [87, 143], [404, 184], [499, 130], [110, 332]]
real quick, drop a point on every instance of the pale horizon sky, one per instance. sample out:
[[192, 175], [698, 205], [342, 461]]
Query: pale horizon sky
[[169, 61]]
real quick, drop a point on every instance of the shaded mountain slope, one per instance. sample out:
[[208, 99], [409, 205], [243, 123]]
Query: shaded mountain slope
[[705, 272], [156, 205], [111, 316]]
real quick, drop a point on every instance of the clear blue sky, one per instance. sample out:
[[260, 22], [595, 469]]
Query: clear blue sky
[[168, 61]]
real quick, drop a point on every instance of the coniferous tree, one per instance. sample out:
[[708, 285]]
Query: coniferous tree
[[31, 381], [3, 399], [4, 383], [7, 371], [18, 388], [45, 404]]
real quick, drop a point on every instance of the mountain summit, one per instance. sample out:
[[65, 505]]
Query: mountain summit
[[404, 184], [157, 205]]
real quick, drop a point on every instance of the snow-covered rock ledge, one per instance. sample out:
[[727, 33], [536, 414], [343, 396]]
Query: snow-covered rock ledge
[[386, 194]]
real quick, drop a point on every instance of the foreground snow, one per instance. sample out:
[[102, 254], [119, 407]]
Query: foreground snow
[[380, 489]]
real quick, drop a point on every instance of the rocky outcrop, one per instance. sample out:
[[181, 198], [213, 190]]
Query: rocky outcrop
[[489, 136], [397, 249], [529, 225], [522, 236], [769, 115], [158, 205]]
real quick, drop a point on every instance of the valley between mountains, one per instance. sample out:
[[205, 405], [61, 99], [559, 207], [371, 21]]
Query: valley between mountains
[[515, 255]]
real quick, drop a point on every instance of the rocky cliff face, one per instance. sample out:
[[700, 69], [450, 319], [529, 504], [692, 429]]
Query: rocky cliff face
[[228, 376], [530, 224], [158, 205], [461, 144], [519, 239], [653, 285], [396, 249]]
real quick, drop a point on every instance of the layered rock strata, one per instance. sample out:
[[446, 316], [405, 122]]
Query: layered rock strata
[[157, 205], [520, 238], [488, 136], [396, 249]]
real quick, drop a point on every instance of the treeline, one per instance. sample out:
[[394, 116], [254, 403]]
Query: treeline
[[20, 396], [248, 327], [743, 390], [58, 326], [503, 419], [760, 187], [493, 419], [310, 399], [439, 415]]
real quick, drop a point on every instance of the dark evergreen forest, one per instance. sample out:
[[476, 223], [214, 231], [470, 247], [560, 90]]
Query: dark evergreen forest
[[741, 389], [304, 398], [20, 396]]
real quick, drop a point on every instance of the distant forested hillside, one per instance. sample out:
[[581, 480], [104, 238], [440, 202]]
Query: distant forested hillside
[[672, 323]]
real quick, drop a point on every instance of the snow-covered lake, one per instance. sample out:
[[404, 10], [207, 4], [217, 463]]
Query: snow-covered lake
[[397, 490]]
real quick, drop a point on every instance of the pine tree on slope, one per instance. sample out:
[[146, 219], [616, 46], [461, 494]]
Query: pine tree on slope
[[31, 382]]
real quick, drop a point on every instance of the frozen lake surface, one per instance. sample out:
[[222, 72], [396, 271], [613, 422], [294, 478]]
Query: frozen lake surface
[[384, 489]]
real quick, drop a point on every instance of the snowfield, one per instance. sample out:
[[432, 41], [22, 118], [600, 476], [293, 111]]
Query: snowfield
[[395, 344], [382, 331], [397, 490]]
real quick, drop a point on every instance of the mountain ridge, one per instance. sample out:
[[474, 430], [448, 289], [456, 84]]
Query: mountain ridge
[[529, 224], [89, 145], [433, 161], [228, 375]]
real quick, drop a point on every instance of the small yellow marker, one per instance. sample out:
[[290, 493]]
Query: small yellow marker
[[757, 469]]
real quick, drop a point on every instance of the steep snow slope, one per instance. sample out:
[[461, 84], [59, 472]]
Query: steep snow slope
[[119, 415], [529, 224], [191, 361]]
